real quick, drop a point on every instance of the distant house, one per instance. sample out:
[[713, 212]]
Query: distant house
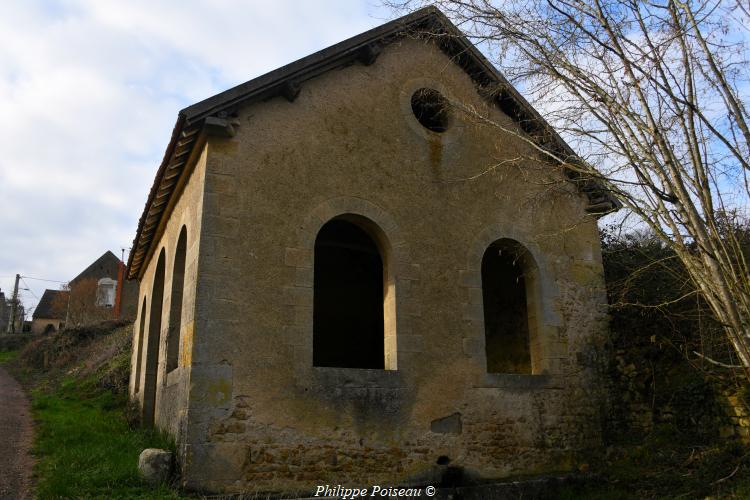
[[49, 315], [100, 292]]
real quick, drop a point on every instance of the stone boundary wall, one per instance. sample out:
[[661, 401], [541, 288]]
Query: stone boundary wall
[[653, 389], [14, 341]]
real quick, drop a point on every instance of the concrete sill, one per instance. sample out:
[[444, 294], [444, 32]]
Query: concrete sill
[[521, 382], [355, 377]]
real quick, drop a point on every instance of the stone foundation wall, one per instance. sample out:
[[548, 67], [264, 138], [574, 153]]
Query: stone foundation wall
[[241, 453]]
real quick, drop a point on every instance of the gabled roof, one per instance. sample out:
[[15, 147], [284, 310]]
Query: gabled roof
[[53, 305], [210, 115], [103, 267]]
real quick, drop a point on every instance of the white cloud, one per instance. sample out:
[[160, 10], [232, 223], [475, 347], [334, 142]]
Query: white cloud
[[90, 90]]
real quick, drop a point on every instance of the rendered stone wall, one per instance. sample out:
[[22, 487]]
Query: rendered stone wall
[[15, 341], [172, 388], [39, 325], [261, 417]]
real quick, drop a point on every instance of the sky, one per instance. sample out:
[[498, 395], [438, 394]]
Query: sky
[[89, 93]]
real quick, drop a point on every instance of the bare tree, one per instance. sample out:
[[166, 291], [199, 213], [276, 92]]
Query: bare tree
[[653, 97], [82, 304]]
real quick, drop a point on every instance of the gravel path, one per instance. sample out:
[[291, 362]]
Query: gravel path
[[16, 434]]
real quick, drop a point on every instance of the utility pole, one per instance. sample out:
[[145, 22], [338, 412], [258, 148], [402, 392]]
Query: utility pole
[[14, 307]]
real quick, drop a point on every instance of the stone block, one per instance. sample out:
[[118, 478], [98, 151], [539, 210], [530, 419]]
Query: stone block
[[303, 314], [409, 271], [298, 296], [411, 343], [155, 466], [303, 277], [470, 278], [216, 461], [222, 226], [473, 346], [220, 183], [474, 312], [474, 295], [211, 385], [298, 257], [447, 425]]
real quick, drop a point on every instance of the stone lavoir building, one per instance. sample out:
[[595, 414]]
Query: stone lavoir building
[[330, 292]]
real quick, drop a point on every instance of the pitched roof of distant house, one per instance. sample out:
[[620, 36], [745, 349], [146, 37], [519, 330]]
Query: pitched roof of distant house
[[104, 266], [53, 305], [212, 115]]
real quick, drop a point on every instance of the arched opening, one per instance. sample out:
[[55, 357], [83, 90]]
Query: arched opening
[[508, 294], [152, 344], [139, 347], [431, 109], [175, 308], [354, 304]]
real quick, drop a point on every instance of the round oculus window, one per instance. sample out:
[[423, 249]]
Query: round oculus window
[[431, 109]]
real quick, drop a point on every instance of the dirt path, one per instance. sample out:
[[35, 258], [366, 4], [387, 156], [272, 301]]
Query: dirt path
[[15, 439]]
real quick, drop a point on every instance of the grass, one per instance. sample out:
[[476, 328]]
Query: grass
[[6, 356], [85, 447], [83, 443]]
